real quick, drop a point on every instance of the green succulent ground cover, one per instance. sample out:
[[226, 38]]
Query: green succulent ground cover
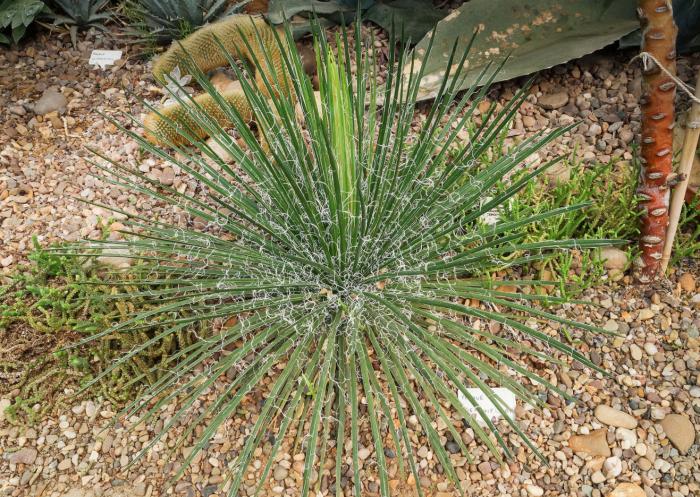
[[55, 301]]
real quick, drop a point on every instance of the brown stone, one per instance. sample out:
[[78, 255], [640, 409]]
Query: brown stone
[[687, 282], [595, 444], [484, 468], [595, 463], [613, 417], [613, 258], [627, 490], [680, 431], [25, 455], [553, 100]]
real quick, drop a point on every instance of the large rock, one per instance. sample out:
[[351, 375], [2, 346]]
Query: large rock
[[51, 101], [83, 492], [219, 151], [680, 431], [627, 490], [559, 173], [116, 257], [613, 258], [609, 416], [553, 100], [595, 444], [25, 455]]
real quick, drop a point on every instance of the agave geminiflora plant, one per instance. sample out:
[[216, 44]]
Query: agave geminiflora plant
[[81, 14], [346, 246], [162, 21]]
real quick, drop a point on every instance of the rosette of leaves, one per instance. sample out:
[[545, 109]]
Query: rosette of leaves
[[16, 16], [81, 14], [347, 255], [162, 21]]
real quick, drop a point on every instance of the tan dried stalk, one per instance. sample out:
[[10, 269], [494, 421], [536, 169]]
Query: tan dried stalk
[[690, 145]]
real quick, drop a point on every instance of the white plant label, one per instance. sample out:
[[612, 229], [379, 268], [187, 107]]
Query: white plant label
[[104, 58], [507, 398]]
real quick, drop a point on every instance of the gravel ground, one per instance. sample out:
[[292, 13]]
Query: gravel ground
[[632, 434], [632, 431], [51, 101]]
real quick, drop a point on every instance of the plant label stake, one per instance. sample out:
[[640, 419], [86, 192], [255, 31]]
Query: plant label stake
[[506, 397], [104, 58]]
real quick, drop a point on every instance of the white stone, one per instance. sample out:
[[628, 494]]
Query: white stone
[[80, 492], [650, 348], [662, 466], [612, 467], [363, 453], [534, 490], [695, 300], [219, 151], [628, 438], [280, 473]]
